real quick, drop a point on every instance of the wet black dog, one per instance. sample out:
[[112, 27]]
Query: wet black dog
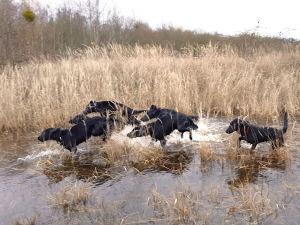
[[112, 123], [113, 109], [70, 138], [179, 121], [157, 130], [163, 126], [254, 134]]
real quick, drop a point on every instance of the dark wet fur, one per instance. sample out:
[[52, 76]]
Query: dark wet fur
[[111, 108], [70, 138], [178, 120], [112, 122], [157, 130], [163, 126], [255, 134]]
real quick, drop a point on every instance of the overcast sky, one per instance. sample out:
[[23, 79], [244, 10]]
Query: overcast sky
[[279, 18]]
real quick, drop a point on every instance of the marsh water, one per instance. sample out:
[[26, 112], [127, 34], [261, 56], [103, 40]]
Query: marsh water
[[189, 188]]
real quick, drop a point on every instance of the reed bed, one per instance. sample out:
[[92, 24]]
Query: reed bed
[[207, 79]]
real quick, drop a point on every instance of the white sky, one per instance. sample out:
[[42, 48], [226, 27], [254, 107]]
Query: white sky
[[279, 18]]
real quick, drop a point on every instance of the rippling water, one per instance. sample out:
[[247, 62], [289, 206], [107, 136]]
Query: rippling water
[[193, 191]]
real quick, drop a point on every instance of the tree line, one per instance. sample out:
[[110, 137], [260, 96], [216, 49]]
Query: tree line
[[53, 32]]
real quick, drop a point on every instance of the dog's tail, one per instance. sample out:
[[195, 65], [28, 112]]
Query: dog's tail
[[285, 123]]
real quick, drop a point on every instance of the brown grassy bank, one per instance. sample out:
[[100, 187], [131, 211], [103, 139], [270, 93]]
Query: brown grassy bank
[[43, 94]]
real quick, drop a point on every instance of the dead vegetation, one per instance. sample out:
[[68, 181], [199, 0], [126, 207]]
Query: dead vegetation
[[73, 197], [45, 94], [26, 221]]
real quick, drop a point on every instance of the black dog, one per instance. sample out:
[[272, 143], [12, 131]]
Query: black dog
[[179, 121], [111, 109], [70, 138], [164, 125], [112, 123], [157, 130], [254, 134]]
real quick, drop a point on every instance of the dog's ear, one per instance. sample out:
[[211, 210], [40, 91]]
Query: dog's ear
[[153, 107]]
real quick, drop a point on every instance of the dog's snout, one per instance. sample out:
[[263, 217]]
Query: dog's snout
[[229, 130], [131, 135], [40, 138]]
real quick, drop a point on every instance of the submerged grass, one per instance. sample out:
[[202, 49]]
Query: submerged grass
[[70, 198], [218, 81], [206, 152], [26, 221], [146, 158]]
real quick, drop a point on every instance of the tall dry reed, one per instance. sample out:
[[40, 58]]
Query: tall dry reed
[[48, 93]]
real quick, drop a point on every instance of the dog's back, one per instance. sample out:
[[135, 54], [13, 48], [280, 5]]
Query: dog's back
[[113, 109], [179, 120], [88, 126]]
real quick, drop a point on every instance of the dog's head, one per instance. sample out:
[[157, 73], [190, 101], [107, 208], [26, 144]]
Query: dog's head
[[193, 126], [90, 108], [78, 119], [235, 125], [139, 131], [50, 134], [153, 112]]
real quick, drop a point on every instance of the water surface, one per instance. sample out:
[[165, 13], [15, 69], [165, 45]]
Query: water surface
[[261, 188]]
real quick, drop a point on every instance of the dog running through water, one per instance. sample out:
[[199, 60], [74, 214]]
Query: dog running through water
[[255, 134], [81, 132]]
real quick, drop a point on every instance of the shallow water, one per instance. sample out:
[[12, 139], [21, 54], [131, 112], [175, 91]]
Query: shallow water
[[260, 188]]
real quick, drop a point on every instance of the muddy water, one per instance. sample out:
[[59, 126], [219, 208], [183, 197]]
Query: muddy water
[[261, 188]]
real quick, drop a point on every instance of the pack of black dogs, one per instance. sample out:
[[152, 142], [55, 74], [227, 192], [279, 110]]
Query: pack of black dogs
[[114, 115]]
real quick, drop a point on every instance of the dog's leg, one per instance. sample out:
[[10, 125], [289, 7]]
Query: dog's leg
[[274, 144], [162, 142], [74, 149], [253, 146], [182, 134], [191, 137], [281, 141], [104, 137]]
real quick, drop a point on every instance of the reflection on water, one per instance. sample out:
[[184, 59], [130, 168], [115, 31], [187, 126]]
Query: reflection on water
[[95, 167], [251, 167], [29, 170], [83, 166]]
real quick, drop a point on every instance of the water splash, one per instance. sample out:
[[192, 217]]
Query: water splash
[[38, 155], [207, 131]]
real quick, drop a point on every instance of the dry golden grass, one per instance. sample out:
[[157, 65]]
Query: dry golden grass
[[254, 202], [206, 152], [117, 153], [187, 206], [143, 158], [177, 209], [73, 197], [48, 93]]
